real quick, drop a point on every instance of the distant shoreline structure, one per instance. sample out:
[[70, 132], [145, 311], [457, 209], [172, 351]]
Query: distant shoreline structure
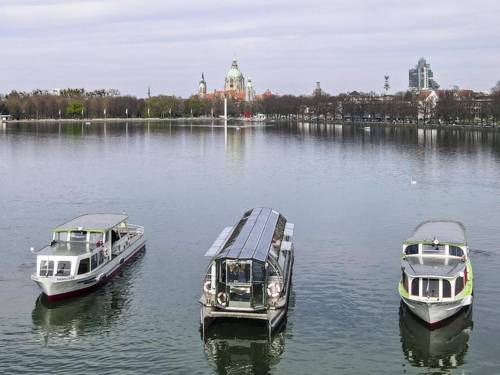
[[239, 122]]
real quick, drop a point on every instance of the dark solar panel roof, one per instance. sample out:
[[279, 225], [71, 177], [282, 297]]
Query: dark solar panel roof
[[252, 236]]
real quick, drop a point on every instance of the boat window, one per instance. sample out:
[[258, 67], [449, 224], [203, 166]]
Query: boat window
[[238, 272], [411, 249], [456, 251], [84, 266], [47, 268], [404, 280], [415, 287], [432, 249], [63, 268], [459, 284], [430, 288], [446, 289], [278, 233], [222, 272], [96, 237], [78, 236], [239, 293], [61, 236], [93, 261], [258, 272]]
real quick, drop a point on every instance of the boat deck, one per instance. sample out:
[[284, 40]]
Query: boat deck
[[417, 266], [67, 249]]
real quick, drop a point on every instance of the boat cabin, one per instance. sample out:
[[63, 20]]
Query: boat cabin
[[251, 263], [83, 245], [434, 262]]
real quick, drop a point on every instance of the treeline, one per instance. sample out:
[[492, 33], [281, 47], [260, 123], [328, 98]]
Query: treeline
[[445, 106]]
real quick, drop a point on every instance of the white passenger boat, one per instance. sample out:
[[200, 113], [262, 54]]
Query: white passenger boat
[[437, 278], [85, 253], [249, 275]]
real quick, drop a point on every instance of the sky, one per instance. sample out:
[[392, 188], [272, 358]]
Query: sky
[[284, 46]]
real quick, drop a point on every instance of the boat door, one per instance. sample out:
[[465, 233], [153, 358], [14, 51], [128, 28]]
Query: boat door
[[238, 282]]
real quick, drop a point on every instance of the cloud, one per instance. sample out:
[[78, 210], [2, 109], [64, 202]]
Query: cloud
[[285, 46]]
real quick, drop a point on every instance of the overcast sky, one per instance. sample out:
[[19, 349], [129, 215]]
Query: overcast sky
[[283, 45]]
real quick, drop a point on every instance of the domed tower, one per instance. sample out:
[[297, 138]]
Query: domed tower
[[202, 91], [234, 79]]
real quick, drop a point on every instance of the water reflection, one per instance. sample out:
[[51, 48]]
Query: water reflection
[[92, 313], [243, 347], [441, 348]]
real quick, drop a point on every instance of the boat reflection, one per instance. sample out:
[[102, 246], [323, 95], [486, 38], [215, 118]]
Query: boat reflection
[[95, 312], [444, 347], [243, 347]]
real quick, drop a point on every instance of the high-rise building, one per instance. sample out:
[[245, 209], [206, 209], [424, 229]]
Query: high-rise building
[[250, 91], [421, 77], [317, 91]]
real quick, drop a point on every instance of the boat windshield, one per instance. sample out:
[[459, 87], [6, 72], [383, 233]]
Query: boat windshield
[[78, 236], [238, 273], [433, 249]]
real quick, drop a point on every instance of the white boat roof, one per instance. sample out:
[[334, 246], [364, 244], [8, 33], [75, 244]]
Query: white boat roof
[[92, 222], [417, 266], [445, 231], [67, 249]]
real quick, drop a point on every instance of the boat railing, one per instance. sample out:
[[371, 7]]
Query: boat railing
[[135, 229]]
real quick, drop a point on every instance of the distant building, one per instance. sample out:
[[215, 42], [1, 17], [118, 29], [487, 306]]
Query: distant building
[[202, 91], [234, 86], [421, 77], [250, 91], [317, 91], [234, 79]]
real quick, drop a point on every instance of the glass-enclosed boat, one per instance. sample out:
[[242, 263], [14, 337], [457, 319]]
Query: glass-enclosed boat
[[249, 275], [85, 252], [437, 278]]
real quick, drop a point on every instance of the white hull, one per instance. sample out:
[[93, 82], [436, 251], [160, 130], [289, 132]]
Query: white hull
[[435, 312], [61, 287]]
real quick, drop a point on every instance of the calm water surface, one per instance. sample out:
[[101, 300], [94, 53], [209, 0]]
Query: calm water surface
[[346, 189]]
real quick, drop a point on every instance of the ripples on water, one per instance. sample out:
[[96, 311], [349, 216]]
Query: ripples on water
[[347, 190]]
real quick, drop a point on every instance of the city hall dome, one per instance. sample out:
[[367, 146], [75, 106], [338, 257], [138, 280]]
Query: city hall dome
[[234, 78]]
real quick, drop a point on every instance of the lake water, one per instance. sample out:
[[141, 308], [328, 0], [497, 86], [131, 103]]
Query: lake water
[[347, 190]]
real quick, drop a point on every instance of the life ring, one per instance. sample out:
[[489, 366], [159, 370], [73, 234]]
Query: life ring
[[207, 287], [273, 290], [222, 299]]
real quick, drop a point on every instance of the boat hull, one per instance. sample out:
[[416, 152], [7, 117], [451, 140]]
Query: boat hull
[[56, 290], [436, 312]]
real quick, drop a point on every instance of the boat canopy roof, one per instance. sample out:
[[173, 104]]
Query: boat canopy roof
[[432, 266], [92, 222], [252, 236], [445, 231]]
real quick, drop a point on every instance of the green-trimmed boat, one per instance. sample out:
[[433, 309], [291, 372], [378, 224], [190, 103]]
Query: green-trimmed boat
[[437, 278]]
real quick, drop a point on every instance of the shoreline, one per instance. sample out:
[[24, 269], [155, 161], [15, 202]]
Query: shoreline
[[255, 123]]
